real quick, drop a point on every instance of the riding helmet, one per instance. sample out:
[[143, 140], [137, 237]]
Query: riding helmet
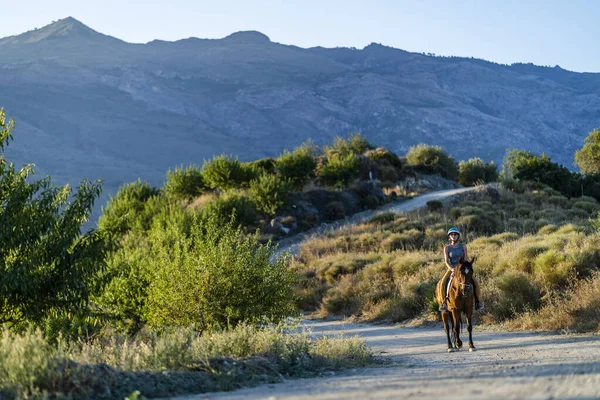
[[453, 230]]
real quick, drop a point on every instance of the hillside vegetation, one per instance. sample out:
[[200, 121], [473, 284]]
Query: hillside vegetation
[[179, 289], [537, 260]]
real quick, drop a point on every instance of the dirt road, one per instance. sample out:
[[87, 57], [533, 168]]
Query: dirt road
[[292, 244], [513, 365]]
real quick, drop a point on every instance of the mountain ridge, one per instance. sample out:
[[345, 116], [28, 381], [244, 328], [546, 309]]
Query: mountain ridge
[[118, 111]]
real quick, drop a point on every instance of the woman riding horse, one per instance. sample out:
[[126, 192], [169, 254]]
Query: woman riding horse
[[460, 300], [453, 252]]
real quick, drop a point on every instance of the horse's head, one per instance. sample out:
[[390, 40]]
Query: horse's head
[[464, 276]]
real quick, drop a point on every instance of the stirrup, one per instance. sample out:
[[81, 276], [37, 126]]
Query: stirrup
[[443, 307], [479, 305]]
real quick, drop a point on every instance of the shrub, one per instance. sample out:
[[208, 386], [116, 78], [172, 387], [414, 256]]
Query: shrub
[[356, 144], [224, 172], [235, 206], [516, 294], [381, 154], [408, 240], [268, 193], [433, 158], [126, 210], [297, 167], [474, 171], [554, 269], [434, 205], [339, 171], [335, 210], [184, 183], [215, 276], [383, 218]]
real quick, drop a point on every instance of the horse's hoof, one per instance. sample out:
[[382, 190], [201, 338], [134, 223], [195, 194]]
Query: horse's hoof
[[471, 348], [450, 350]]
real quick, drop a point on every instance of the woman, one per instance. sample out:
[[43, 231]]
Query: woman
[[453, 252]]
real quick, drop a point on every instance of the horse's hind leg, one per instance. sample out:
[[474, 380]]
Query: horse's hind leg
[[445, 318], [470, 329]]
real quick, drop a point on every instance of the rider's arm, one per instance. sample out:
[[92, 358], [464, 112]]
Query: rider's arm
[[447, 258]]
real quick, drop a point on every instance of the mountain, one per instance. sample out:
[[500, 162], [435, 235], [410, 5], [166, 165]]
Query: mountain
[[88, 105]]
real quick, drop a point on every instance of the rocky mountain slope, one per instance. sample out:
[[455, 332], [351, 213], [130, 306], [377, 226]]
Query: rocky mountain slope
[[90, 105]]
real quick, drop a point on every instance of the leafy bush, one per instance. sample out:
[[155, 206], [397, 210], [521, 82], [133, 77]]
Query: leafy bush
[[554, 269], [47, 266], [434, 205], [268, 192], [339, 171], [297, 167], [128, 209], [433, 158], [226, 207], [474, 171], [356, 144], [225, 172], [184, 183], [215, 277], [516, 294]]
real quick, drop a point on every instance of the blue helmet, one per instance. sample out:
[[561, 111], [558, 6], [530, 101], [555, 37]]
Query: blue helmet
[[453, 230]]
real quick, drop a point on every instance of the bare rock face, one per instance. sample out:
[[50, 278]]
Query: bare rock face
[[91, 106]]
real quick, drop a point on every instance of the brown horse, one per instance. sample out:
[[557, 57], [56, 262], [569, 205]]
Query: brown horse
[[460, 300]]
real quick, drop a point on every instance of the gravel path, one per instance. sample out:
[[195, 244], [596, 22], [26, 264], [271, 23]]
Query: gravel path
[[513, 365], [292, 244]]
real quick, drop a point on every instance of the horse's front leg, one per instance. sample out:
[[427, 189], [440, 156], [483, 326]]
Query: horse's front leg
[[446, 318], [470, 329], [457, 319]]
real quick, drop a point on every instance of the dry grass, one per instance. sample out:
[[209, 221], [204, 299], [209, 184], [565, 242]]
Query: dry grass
[[530, 252], [176, 362]]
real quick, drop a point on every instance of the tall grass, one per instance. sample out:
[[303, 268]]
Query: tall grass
[[180, 361]]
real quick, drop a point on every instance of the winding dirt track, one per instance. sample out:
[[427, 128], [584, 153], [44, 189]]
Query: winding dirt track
[[292, 244], [514, 365]]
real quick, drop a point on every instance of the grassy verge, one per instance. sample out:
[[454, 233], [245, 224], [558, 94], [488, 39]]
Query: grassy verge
[[173, 363]]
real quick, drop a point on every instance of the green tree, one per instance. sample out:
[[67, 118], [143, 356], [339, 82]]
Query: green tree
[[129, 209], [339, 171], [475, 170], [526, 166], [269, 193], [297, 167], [224, 172], [433, 159], [588, 157], [355, 144], [46, 266], [184, 183], [215, 276]]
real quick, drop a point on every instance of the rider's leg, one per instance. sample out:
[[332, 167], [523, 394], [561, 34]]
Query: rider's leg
[[445, 284]]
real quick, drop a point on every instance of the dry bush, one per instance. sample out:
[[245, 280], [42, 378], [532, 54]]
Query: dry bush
[[408, 240], [554, 269], [578, 310], [515, 292]]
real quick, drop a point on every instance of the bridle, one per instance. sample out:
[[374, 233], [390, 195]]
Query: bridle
[[466, 288]]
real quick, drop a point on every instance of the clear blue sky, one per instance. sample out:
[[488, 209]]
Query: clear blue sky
[[545, 32]]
